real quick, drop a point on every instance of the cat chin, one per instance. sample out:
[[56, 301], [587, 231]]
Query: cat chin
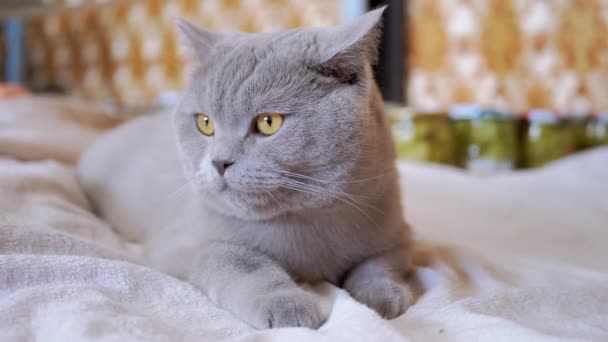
[[255, 205], [233, 205], [256, 211], [258, 215], [248, 213]]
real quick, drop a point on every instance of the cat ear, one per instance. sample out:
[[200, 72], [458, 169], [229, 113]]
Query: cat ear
[[197, 41], [352, 46]]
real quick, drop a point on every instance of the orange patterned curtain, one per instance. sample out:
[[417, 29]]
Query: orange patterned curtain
[[509, 54], [128, 51]]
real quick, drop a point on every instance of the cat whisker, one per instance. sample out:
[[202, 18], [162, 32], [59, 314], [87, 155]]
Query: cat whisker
[[273, 198], [341, 193], [299, 175], [282, 195], [181, 190], [324, 188], [302, 187], [337, 191], [329, 183]]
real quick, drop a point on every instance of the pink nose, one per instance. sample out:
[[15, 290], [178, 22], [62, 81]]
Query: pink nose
[[221, 165]]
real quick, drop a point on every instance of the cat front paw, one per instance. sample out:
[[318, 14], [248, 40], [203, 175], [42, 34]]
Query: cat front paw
[[288, 308], [386, 296]]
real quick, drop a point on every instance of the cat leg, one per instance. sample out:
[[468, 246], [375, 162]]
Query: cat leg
[[253, 287], [379, 283]]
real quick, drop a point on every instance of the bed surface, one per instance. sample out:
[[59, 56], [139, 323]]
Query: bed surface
[[517, 257]]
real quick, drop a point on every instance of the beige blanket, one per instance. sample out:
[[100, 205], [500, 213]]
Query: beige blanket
[[520, 257]]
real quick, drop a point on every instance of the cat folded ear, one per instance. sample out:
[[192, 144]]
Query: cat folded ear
[[197, 41], [351, 47]]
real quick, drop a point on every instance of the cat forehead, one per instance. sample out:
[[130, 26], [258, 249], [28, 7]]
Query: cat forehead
[[249, 78], [289, 46], [256, 62]]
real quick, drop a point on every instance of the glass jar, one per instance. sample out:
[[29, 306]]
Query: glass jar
[[422, 136], [547, 138], [486, 139], [580, 125], [598, 130]]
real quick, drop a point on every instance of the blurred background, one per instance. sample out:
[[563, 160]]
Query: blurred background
[[485, 85]]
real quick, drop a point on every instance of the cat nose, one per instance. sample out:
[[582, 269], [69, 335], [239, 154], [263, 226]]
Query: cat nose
[[221, 165]]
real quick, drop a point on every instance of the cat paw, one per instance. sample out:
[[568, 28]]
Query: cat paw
[[288, 308], [387, 297]]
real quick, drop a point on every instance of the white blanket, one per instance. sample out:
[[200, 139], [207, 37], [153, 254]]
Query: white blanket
[[518, 257]]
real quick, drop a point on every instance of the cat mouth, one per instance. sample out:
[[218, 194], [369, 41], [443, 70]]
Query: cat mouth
[[223, 186], [252, 199]]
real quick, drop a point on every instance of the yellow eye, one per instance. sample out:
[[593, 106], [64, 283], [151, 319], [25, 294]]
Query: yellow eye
[[269, 123], [205, 124]]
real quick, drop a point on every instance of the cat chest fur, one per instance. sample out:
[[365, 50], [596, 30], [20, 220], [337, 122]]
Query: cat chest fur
[[318, 250]]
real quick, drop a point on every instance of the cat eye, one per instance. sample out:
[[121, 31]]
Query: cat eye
[[269, 123], [205, 124]]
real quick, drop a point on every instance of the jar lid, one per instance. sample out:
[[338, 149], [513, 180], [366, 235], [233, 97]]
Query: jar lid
[[494, 113], [602, 118], [398, 111], [541, 115], [464, 112]]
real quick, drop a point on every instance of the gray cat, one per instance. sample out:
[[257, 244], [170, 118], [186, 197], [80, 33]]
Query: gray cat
[[282, 140]]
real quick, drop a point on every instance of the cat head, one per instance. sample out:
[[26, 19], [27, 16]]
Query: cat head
[[276, 122]]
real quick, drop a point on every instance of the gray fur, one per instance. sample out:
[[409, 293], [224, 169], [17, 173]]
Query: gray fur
[[317, 201]]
